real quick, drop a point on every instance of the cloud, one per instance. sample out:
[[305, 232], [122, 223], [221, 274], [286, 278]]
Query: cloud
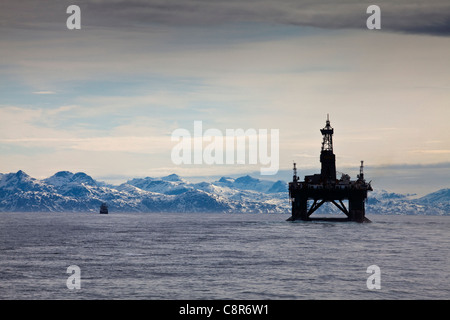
[[410, 16], [38, 128], [130, 144], [436, 151], [44, 92]]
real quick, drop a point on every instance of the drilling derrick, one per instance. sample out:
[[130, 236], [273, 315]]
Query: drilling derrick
[[327, 157], [308, 195]]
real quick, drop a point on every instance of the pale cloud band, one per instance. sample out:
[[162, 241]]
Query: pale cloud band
[[44, 92]]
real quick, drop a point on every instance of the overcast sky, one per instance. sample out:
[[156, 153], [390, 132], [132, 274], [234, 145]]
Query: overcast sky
[[105, 99]]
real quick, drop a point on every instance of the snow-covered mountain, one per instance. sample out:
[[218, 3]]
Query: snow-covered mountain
[[67, 191]]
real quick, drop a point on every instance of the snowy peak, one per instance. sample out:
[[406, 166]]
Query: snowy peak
[[171, 184], [63, 174], [226, 180], [249, 183], [78, 185], [64, 178], [21, 181], [385, 195], [279, 186], [83, 178], [60, 178], [440, 196], [21, 175], [172, 178]]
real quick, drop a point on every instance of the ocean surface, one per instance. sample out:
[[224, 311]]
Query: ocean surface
[[221, 256]]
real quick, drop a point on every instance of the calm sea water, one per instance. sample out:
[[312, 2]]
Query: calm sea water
[[221, 256]]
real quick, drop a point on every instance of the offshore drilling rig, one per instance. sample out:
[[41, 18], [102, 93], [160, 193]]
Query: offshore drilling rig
[[325, 187]]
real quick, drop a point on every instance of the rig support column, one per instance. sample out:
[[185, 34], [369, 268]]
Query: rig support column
[[356, 207], [300, 208]]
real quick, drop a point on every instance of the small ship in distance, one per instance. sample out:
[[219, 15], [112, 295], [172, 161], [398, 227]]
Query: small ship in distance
[[104, 208]]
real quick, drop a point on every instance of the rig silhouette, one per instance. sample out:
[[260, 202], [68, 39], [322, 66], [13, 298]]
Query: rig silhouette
[[325, 187]]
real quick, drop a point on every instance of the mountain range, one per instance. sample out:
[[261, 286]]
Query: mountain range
[[78, 192]]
